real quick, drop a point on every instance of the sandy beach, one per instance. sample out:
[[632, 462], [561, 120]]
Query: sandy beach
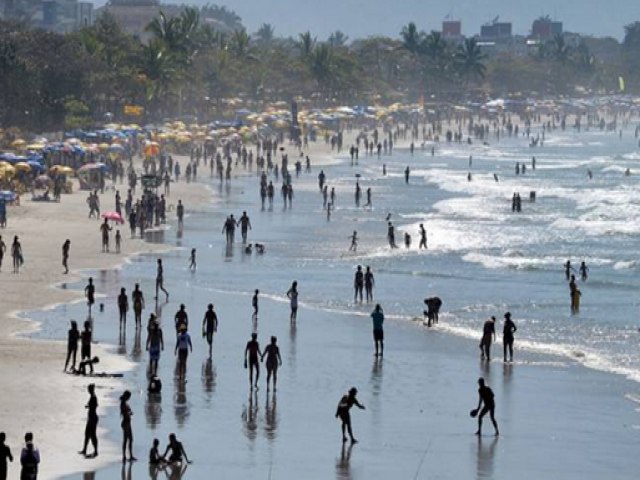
[[36, 396]]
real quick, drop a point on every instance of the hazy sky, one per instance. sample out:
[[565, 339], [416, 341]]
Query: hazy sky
[[359, 18]]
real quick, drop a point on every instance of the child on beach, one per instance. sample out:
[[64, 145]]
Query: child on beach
[[118, 241], [192, 260]]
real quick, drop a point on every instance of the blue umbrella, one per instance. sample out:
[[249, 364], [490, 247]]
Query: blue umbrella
[[35, 165], [7, 195]]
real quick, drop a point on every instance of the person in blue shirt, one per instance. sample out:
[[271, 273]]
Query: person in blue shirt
[[378, 333]]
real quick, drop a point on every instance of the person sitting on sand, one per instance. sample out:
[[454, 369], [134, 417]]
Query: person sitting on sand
[[177, 451]]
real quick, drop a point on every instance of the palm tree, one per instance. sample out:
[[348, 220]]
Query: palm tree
[[337, 39], [157, 66], [322, 66], [469, 61], [559, 50], [411, 38], [265, 34], [306, 44]]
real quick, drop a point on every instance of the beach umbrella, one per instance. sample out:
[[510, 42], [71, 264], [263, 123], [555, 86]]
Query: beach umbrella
[[61, 170], [7, 195], [19, 143], [35, 146], [115, 216], [35, 165], [103, 146], [7, 170], [116, 148], [22, 167]]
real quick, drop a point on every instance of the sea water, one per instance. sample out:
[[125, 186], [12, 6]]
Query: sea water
[[482, 260]]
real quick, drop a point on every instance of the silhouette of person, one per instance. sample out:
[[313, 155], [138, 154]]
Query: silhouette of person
[[486, 397], [90, 432], [252, 354], [342, 412]]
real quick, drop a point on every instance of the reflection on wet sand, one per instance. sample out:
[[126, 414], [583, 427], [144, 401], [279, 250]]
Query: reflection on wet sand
[[208, 378], [343, 464], [485, 455], [153, 409], [270, 416], [249, 415], [180, 404]]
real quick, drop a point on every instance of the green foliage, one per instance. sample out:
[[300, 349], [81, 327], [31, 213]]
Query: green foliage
[[50, 81]]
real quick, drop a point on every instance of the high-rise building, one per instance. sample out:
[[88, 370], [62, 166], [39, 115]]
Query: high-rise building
[[496, 30], [544, 28], [451, 28]]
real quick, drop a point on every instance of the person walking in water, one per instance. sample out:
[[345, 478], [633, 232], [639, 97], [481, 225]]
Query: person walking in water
[[90, 431], [65, 255], [89, 293], [343, 412], [160, 280], [507, 336], [127, 432], [378, 333], [486, 398], [358, 284], [292, 295], [391, 235], [155, 343], [192, 260], [251, 355], [488, 337], [407, 171], [568, 269], [354, 241], [254, 304], [245, 226], [423, 238], [575, 295], [209, 326], [274, 361], [369, 282], [73, 336], [584, 271]]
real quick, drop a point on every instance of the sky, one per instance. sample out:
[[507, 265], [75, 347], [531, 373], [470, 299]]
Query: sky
[[362, 18]]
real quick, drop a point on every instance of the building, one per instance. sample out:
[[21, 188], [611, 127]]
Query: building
[[544, 28], [496, 30], [451, 29], [133, 15], [59, 16]]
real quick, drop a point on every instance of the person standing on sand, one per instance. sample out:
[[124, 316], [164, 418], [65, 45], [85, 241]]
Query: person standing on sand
[[155, 343], [251, 355], [507, 336], [89, 293], [65, 254], [391, 235], [90, 431], [29, 459], [160, 280], [3, 249], [488, 336], [378, 333], [127, 432], [16, 254], [180, 213], [123, 307], [137, 298], [72, 345], [486, 397], [342, 412], [5, 454], [274, 361], [85, 343], [105, 229], [292, 295], [183, 347], [209, 326]]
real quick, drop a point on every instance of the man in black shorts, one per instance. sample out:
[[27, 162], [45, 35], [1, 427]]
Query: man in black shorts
[[486, 397], [252, 353], [209, 326], [358, 284]]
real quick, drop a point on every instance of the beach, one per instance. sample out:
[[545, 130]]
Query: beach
[[557, 418]]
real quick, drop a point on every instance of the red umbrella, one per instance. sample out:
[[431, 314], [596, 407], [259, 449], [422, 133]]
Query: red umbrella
[[115, 216]]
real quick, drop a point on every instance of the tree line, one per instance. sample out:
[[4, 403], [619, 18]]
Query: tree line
[[51, 81]]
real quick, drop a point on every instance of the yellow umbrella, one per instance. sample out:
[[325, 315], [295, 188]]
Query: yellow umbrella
[[22, 167], [61, 170], [8, 169], [103, 146], [19, 143], [35, 146]]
